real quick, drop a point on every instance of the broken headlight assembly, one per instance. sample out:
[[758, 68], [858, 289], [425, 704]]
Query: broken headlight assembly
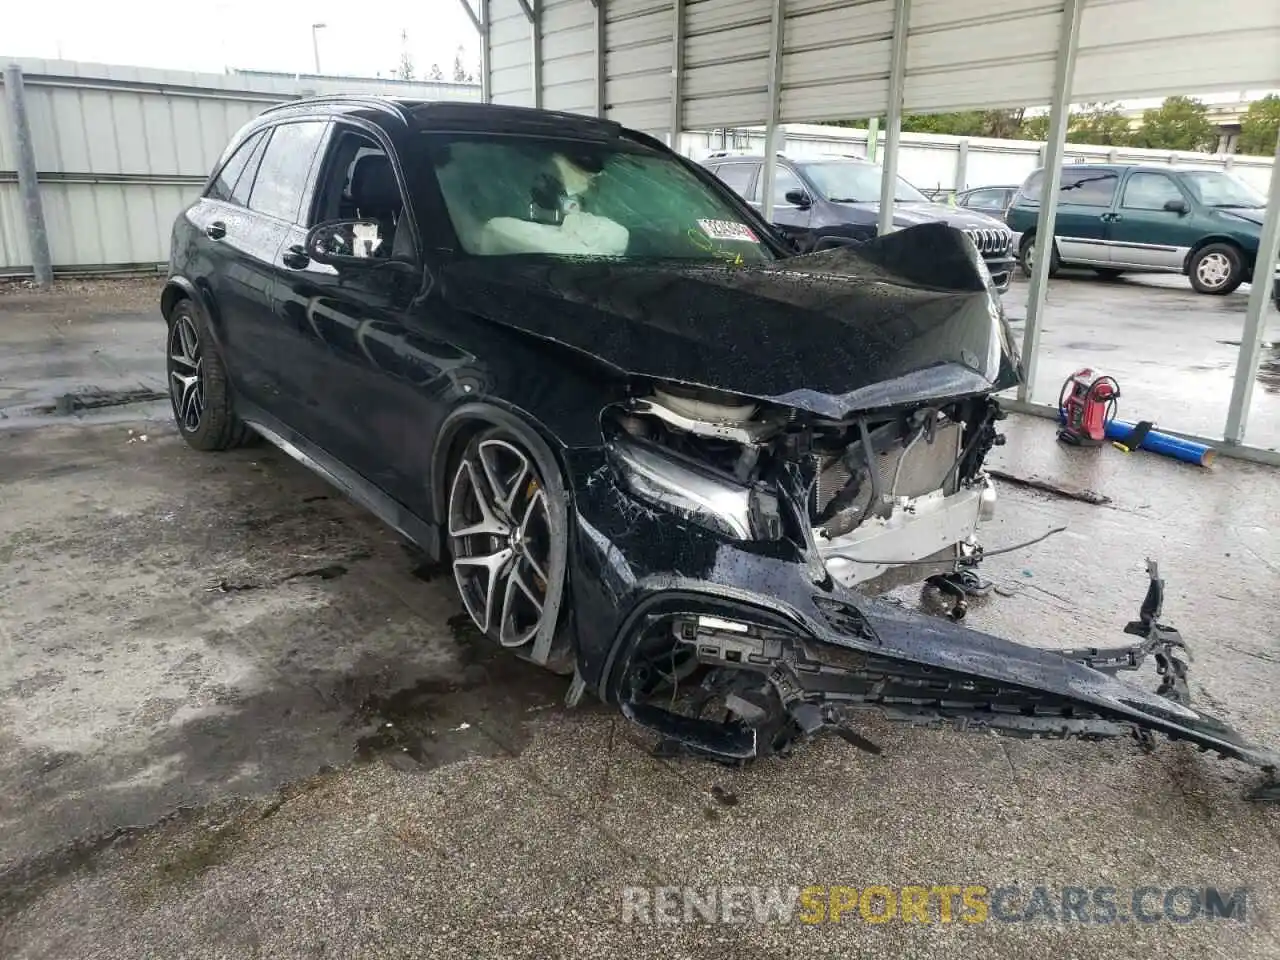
[[680, 485]]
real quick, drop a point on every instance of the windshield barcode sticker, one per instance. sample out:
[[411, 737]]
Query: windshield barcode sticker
[[727, 230]]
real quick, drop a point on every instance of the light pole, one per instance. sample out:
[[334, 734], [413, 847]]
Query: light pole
[[315, 42]]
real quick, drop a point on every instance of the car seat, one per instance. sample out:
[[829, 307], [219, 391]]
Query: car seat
[[376, 196]]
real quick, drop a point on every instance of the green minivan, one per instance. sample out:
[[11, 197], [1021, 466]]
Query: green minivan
[[1123, 218]]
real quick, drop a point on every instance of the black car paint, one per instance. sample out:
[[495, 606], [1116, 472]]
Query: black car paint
[[372, 376]]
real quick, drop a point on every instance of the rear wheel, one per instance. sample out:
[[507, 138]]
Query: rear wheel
[[1027, 255], [1216, 269], [198, 387], [507, 547]]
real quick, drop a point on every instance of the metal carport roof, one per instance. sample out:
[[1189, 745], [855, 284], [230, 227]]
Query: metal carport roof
[[668, 65]]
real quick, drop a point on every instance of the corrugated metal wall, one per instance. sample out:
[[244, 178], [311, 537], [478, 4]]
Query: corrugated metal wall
[[639, 47], [961, 54], [120, 150], [510, 54], [568, 55]]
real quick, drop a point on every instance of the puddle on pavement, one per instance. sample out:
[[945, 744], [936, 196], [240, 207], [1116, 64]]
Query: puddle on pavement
[[1269, 368]]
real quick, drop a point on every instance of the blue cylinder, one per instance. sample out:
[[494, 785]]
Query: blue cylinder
[[1187, 451]]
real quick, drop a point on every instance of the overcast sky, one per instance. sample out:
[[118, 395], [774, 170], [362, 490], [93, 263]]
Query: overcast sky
[[361, 37]]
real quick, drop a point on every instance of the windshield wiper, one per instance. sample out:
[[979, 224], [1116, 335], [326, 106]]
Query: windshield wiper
[[1238, 206]]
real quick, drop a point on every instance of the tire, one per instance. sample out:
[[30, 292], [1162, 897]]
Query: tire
[[507, 537], [1026, 259], [198, 390], [1216, 269], [1108, 273]]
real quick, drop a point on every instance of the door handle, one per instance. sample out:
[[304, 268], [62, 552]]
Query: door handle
[[295, 258], [216, 230]]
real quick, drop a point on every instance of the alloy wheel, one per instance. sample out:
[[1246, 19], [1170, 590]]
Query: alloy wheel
[[500, 531], [186, 381], [1213, 270]]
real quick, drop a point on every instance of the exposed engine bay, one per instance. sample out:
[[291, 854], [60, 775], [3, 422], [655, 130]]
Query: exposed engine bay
[[888, 496]]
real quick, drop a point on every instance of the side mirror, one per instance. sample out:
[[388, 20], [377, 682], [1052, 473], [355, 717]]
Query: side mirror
[[799, 197], [343, 243], [1176, 206]]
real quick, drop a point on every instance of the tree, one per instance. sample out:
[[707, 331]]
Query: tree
[[404, 70], [1034, 128], [435, 73], [460, 73], [1100, 123], [1260, 126], [1180, 123]]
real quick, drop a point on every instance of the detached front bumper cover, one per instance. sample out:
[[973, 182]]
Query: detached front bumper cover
[[770, 685]]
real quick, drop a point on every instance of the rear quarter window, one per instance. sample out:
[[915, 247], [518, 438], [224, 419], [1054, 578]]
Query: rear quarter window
[[1085, 186]]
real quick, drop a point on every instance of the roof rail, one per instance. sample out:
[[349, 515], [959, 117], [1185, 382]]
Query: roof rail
[[385, 104], [715, 154]]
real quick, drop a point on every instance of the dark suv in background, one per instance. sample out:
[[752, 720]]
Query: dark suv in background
[[1121, 218], [840, 197]]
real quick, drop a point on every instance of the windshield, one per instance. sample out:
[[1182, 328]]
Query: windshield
[[510, 195], [1215, 189], [843, 182]]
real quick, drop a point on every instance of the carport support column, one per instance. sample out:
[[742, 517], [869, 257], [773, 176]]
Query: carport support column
[[1255, 324], [677, 74], [532, 13], [599, 25], [893, 115], [772, 140], [486, 54], [481, 22], [1064, 71], [28, 187]]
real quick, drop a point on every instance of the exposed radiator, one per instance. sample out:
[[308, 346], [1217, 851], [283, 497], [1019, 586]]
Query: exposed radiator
[[924, 468]]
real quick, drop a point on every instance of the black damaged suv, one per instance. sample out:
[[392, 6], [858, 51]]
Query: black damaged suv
[[657, 449]]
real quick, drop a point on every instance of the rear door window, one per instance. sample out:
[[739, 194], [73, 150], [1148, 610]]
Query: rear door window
[[737, 176], [1088, 186], [984, 199], [236, 168], [282, 176]]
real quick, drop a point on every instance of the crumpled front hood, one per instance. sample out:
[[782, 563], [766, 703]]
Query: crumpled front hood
[[906, 318]]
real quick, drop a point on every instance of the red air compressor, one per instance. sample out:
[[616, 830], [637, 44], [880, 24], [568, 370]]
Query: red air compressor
[[1085, 405]]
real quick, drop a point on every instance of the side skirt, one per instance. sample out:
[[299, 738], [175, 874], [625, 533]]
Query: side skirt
[[426, 536]]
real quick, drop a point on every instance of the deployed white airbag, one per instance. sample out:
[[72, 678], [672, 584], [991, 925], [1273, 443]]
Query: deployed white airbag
[[580, 234]]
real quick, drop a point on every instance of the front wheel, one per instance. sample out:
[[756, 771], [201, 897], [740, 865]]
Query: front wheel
[[507, 545], [1216, 269]]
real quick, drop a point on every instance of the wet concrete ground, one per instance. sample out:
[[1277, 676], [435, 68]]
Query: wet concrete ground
[[1173, 350], [238, 719]]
